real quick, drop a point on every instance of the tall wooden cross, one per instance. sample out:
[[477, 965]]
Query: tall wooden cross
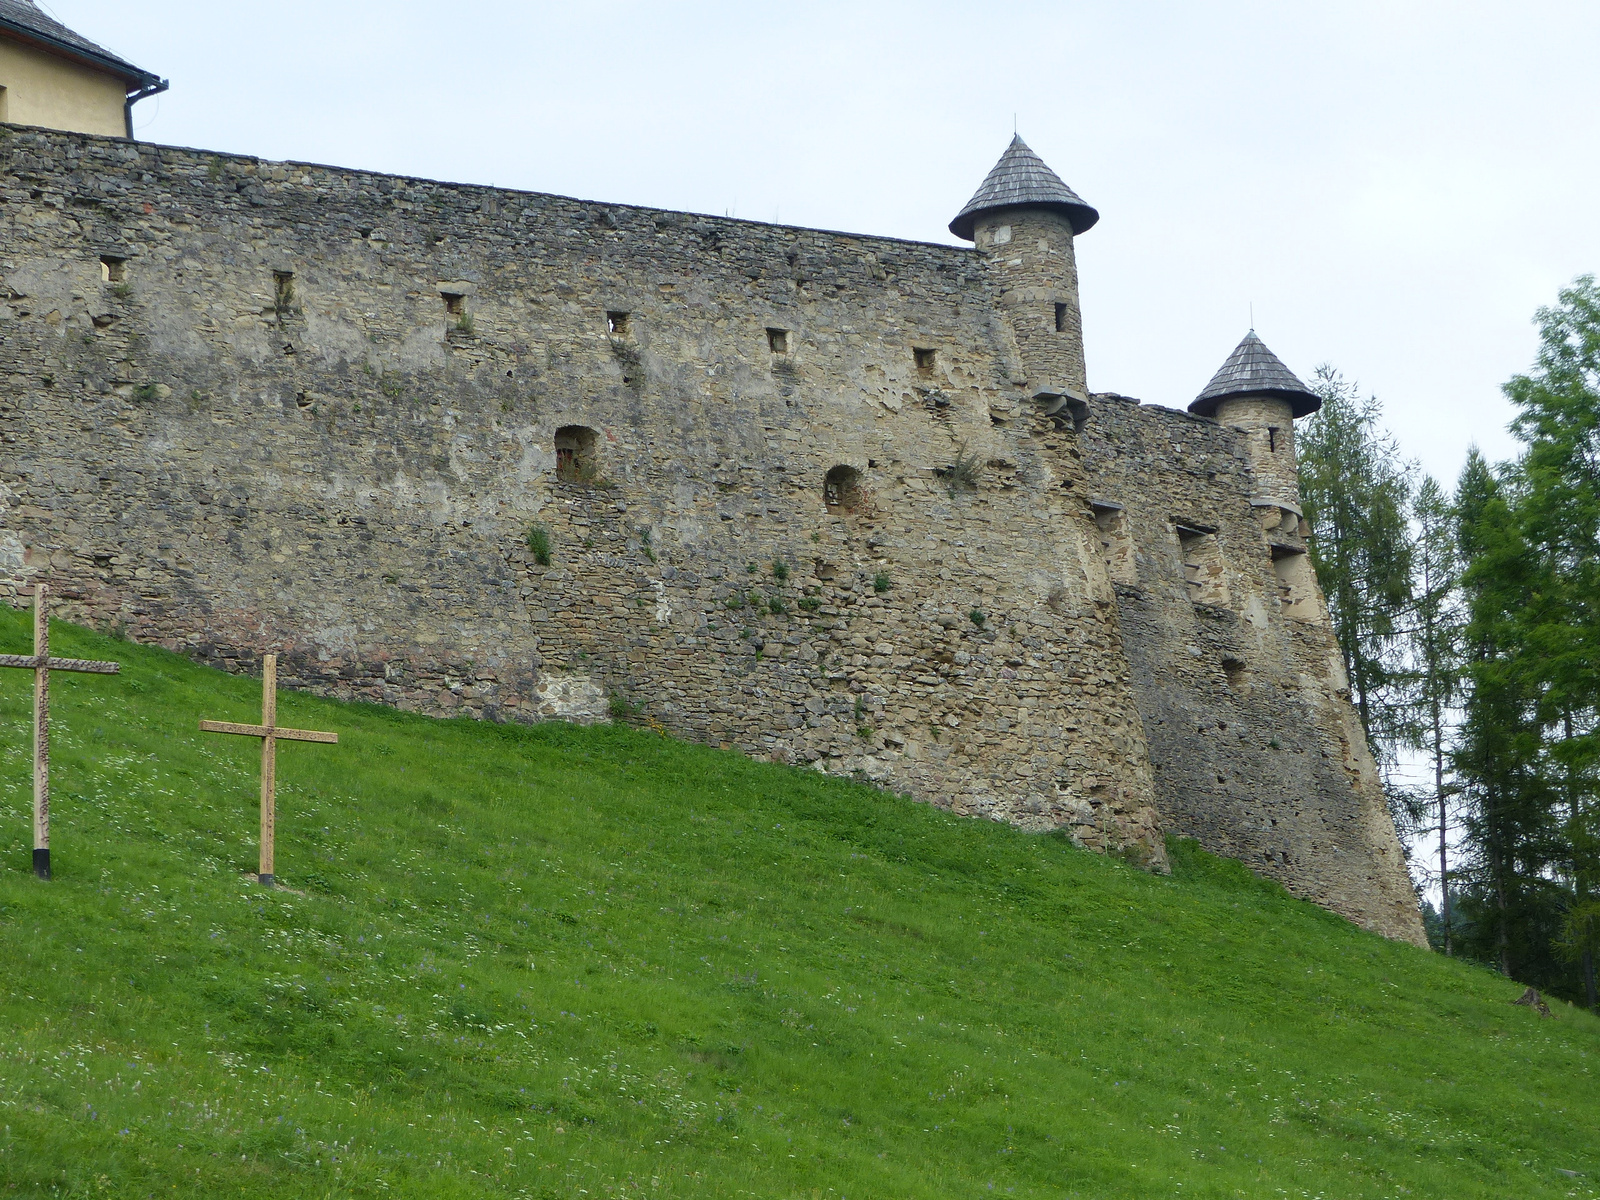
[[269, 732], [41, 664]]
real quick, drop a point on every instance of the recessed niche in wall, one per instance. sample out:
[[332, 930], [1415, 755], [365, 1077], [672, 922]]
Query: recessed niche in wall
[[1116, 544], [778, 341], [923, 358], [841, 489], [282, 291], [113, 268], [577, 459], [1297, 583], [1203, 570], [454, 303], [618, 324]]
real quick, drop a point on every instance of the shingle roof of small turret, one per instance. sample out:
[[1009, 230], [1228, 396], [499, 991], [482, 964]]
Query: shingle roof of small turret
[[1020, 177], [1252, 369], [24, 17]]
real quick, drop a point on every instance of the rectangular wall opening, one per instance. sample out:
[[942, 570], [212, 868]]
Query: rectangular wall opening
[[1203, 571], [283, 291], [923, 358], [455, 304], [1061, 318], [1297, 583], [1116, 543], [778, 341], [113, 268], [617, 324]]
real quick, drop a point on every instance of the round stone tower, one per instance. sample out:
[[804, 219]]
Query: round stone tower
[[1024, 219], [1256, 394]]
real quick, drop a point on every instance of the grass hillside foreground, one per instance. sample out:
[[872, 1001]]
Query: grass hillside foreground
[[559, 962]]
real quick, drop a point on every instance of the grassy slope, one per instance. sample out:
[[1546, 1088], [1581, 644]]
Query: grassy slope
[[560, 962]]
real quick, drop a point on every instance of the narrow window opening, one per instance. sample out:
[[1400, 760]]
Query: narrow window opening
[[1061, 318], [113, 269], [1116, 545], [841, 489], [924, 358], [1272, 438], [454, 303], [282, 290], [576, 457], [1203, 571], [617, 324], [1234, 669], [778, 341]]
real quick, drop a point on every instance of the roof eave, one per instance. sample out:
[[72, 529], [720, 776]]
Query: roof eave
[[1081, 216], [1301, 404], [135, 78]]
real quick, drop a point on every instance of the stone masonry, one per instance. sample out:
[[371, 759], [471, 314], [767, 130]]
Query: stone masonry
[[465, 450]]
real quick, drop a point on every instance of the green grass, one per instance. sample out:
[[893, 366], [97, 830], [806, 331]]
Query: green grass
[[563, 962]]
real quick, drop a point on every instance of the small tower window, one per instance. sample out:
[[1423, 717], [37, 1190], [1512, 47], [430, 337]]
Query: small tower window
[[1061, 318], [923, 358], [841, 489], [778, 341], [282, 289], [1272, 438], [617, 324], [576, 458], [113, 268], [454, 303]]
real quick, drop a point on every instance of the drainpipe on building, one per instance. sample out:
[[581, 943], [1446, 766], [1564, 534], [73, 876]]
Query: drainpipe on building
[[149, 89]]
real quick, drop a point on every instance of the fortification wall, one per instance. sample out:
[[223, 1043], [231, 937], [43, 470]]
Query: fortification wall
[[257, 407], [1255, 747]]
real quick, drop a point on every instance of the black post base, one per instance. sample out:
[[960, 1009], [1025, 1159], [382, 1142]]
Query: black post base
[[267, 880], [41, 863]]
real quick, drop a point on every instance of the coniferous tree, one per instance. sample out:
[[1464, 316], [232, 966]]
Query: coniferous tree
[[1357, 496], [1498, 753], [1435, 640], [1558, 511]]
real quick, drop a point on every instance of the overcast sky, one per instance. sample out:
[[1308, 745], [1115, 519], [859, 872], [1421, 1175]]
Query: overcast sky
[[1394, 186]]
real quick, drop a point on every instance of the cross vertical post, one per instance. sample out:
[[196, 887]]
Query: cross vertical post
[[41, 664], [269, 732], [269, 767], [41, 732]]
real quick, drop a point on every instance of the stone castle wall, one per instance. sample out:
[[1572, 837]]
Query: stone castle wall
[[794, 496], [1256, 749]]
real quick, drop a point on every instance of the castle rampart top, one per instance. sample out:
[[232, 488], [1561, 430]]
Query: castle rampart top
[[1021, 179]]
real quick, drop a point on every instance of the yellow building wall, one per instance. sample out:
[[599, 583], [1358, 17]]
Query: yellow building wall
[[41, 89]]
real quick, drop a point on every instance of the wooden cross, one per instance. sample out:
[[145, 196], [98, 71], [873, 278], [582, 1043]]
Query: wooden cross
[[269, 732], [41, 664]]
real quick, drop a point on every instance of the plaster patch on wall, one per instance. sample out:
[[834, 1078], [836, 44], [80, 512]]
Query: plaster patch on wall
[[572, 697]]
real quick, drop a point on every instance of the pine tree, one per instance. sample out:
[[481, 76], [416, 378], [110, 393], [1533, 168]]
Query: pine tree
[[1498, 752], [1558, 510], [1435, 640], [1357, 495]]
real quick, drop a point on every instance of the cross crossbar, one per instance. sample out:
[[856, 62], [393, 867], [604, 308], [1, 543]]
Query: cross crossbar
[[277, 731], [41, 664], [269, 732], [34, 662]]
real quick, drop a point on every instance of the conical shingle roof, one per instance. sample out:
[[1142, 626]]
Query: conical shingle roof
[[1252, 369], [1021, 178]]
